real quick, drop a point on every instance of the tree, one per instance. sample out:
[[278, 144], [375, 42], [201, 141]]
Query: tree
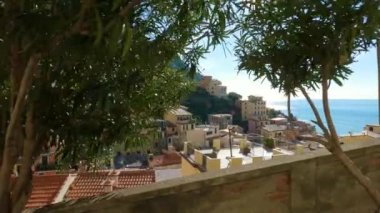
[[378, 74], [303, 45], [272, 113], [201, 104], [91, 72]]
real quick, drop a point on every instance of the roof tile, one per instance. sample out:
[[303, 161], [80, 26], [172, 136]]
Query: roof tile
[[45, 187], [92, 184]]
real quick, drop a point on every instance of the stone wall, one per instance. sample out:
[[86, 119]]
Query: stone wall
[[312, 182]]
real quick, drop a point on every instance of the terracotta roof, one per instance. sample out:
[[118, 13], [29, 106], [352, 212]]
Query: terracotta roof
[[45, 187], [128, 179], [92, 183], [166, 159]]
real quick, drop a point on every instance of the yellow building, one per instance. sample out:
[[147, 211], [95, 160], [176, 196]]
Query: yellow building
[[213, 86], [188, 167], [254, 107], [180, 122]]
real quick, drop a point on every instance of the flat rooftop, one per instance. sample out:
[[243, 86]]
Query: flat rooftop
[[220, 115], [357, 139], [274, 127], [256, 151]]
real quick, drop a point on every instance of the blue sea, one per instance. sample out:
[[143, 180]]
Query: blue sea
[[348, 115]]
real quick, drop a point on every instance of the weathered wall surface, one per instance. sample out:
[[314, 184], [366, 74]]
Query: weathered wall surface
[[187, 169], [313, 182]]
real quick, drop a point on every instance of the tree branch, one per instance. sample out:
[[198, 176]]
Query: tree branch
[[320, 140], [14, 131], [21, 94], [326, 109], [125, 11], [316, 113]]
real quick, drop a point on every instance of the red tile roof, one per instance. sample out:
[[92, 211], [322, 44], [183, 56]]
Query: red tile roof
[[92, 183], [87, 184], [128, 179], [45, 187]]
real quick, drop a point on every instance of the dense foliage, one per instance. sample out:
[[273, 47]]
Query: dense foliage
[[201, 103], [94, 72], [290, 43], [300, 45]]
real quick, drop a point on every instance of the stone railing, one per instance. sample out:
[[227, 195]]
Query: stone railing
[[311, 182]]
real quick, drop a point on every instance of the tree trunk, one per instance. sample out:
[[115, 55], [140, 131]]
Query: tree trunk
[[14, 133], [378, 76], [290, 116], [316, 113], [23, 185], [337, 151]]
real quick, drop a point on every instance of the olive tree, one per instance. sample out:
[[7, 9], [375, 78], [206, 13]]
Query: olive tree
[[92, 72], [306, 45]]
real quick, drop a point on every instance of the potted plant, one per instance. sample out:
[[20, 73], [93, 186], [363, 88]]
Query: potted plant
[[268, 143]]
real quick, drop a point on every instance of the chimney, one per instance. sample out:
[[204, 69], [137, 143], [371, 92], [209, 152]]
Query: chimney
[[107, 186], [185, 147], [114, 177], [151, 160]]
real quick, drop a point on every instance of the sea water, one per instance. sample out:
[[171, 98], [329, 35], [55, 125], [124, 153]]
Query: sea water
[[348, 115]]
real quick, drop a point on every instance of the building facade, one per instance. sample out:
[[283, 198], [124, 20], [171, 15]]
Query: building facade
[[213, 86], [221, 120], [255, 125], [202, 134], [254, 107], [273, 131], [180, 121]]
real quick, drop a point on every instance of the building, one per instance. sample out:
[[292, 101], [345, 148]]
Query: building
[[222, 120], [180, 121], [273, 131], [254, 108], [372, 130], [195, 161], [201, 135], [304, 183], [51, 186], [279, 121], [255, 125], [236, 128], [213, 86]]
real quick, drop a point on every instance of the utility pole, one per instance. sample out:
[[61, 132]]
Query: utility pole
[[229, 134]]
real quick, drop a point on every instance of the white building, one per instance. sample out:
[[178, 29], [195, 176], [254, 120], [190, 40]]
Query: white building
[[273, 130], [201, 134]]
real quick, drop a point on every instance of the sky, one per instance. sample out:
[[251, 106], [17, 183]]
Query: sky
[[222, 65]]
